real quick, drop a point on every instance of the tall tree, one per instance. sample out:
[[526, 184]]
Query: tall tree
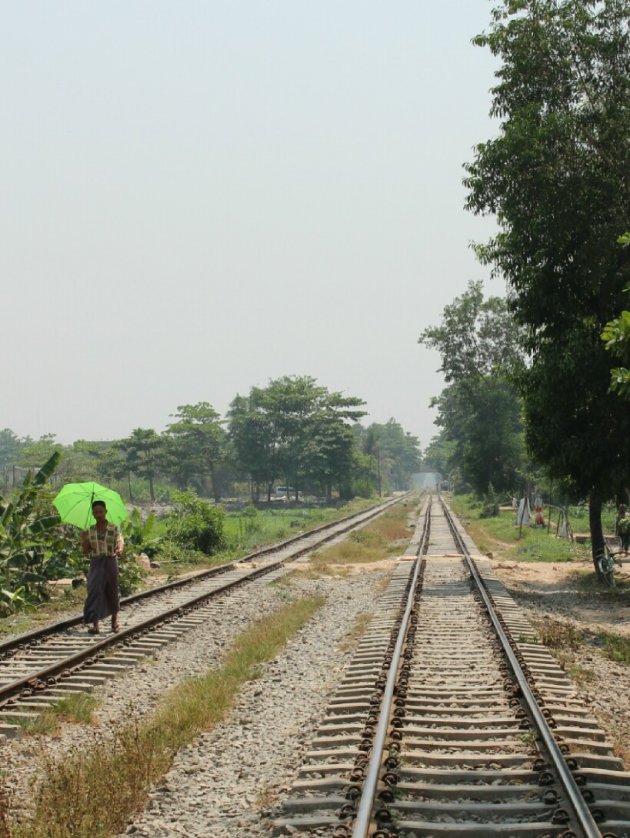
[[616, 335], [35, 452], [396, 454], [296, 430], [198, 443], [557, 177], [10, 445], [253, 436], [479, 409], [143, 452]]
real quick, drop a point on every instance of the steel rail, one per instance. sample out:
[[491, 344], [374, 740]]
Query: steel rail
[[581, 813], [67, 665], [48, 676], [365, 807], [52, 628]]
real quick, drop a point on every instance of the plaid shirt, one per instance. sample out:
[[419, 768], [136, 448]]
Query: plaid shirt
[[104, 545]]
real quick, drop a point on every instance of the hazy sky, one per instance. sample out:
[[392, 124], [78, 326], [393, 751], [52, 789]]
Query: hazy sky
[[197, 197]]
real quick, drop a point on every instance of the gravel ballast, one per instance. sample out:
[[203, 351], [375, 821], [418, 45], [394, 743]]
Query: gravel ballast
[[224, 783]]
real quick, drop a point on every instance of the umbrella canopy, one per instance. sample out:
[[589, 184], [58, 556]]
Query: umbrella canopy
[[74, 504]]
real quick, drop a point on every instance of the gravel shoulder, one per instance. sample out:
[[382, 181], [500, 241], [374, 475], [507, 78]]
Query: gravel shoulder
[[227, 780]]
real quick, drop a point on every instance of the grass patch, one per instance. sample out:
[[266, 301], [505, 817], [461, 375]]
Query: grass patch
[[579, 673], [614, 646], [589, 583], [500, 535], [531, 639], [95, 793], [356, 632], [378, 540], [557, 635], [77, 708], [246, 531], [43, 724]]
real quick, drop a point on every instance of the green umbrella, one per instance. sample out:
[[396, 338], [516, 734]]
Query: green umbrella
[[74, 504]]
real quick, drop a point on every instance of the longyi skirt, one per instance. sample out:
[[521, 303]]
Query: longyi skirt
[[102, 589]]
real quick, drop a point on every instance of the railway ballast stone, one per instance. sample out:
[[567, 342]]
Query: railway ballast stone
[[227, 783]]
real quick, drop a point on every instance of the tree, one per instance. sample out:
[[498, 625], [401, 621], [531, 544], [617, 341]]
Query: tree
[[291, 402], [479, 409], [476, 338], [115, 463], [197, 445], [328, 451], [396, 454], [34, 453], [616, 335], [9, 448], [253, 436], [294, 429], [556, 177], [438, 456], [143, 452], [10, 445]]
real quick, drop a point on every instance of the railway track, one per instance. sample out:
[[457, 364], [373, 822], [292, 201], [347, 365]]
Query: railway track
[[454, 720], [43, 666]]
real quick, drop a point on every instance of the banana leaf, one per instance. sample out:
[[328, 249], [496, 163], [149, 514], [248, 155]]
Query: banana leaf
[[43, 524]]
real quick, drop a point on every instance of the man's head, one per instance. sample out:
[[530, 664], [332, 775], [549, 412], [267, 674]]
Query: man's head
[[99, 510]]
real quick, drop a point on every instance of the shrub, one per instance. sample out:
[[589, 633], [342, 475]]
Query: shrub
[[490, 507], [33, 547], [195, 524], [130, 574]]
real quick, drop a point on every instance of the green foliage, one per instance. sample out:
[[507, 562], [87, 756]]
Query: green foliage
[[479, 409], [142, 454], [32, 453], [490, 507], [130, 574], [439, 455], [616, 336], [10, 445], [197, 445], [555, 176], [395, 454], [33, 548], [195, 524], [141, 536], [296, 430], [501, 534]]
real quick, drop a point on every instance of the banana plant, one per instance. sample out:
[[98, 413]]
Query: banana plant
[[25, 540], [141, 536]]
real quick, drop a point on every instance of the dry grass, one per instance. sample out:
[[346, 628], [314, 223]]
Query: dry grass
[[266, 797], [77, 708], [580, 674], [559, 635], [622, 752], [381, 539], [93, 794], [357, 631]]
